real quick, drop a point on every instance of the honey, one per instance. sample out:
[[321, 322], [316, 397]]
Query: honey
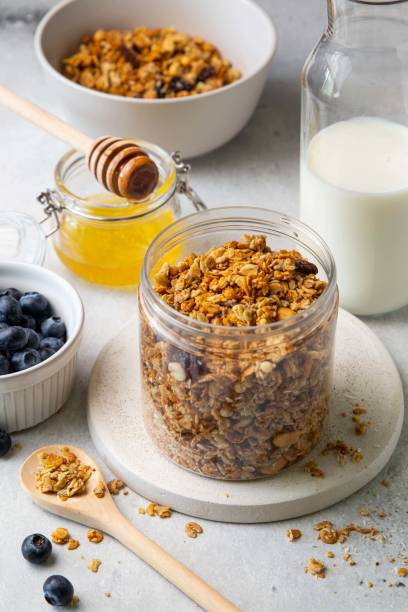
[[109, 253], [101, 237]]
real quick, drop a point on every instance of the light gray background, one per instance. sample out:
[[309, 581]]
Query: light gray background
[[253, 565]]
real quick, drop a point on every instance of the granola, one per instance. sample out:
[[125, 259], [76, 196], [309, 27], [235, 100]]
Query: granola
[[73, 544], [237, 408], [316, 568], [100, 489], [94, 565], [193, 529], [94, 536], [114, 486], [148, 63], [62, 474], [293, 534], [60, 536]]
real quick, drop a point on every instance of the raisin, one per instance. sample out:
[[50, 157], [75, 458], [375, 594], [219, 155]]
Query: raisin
[[196, 368], [178, 84], [205, 74], [130, 56], [160, 90], [135, 48], [305, 267]]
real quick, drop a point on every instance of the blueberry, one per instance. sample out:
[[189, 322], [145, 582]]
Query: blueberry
[[35, 304], [4, 365], [54, 327], [21, 360], [36, 548], [5, 442], [13, 338], [10, 310], [33, 339], [58, 591], [14, 293], [28, 321], [51, 343], [46, 353]]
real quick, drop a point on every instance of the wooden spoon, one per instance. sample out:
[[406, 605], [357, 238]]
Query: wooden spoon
[[103, 514], [120, 165]]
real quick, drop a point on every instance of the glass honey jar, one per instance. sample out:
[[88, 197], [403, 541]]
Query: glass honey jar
[[101, 237]]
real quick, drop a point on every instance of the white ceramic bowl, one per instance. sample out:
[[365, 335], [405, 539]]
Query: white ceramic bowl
[[33, 395], [243, 32]]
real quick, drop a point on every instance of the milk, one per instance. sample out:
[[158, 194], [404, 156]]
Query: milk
[[354, 193]]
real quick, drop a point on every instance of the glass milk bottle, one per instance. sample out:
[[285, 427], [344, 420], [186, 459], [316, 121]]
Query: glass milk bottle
[[354, 150]]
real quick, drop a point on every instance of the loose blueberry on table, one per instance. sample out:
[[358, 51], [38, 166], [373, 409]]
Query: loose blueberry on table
[[29, 332], [58, 591], [36, 548], [5, 443]]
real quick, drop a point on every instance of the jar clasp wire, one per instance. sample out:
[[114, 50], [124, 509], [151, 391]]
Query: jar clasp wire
[[183, 182], [52, 207]]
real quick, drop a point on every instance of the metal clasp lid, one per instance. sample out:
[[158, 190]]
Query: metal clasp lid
[[52, 207], [183, 183]]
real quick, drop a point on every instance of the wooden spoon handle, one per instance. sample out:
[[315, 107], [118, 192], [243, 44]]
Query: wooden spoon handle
[[178, 574], [45, 120]]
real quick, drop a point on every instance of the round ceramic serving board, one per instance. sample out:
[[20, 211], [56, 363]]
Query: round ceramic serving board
[[364, 374]]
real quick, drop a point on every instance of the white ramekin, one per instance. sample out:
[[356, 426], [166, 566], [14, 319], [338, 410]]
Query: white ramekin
[[241, 29], [31, 396]]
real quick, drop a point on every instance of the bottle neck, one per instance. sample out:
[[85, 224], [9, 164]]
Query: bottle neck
[[373, 22]]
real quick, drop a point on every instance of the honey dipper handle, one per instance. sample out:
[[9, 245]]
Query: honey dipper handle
[[173, 570], [45, 120]]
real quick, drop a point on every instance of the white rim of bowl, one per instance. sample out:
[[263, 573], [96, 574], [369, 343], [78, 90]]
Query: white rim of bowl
[[77, 330], [184, 100]]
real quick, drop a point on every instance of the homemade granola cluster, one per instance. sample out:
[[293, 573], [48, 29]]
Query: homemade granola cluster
[[148, 63], [237, 408], [62, 474]]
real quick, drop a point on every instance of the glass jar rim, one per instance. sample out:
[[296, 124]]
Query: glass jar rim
[[82, 205], [241, 214]]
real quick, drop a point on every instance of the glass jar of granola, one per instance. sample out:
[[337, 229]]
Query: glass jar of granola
[[237, 342]]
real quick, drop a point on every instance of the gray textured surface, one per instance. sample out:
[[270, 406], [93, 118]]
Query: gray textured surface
[[254, 566]]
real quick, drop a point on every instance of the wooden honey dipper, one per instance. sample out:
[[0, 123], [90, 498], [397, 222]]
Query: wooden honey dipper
[[120, 165]]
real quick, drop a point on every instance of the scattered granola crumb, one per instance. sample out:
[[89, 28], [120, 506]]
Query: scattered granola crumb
[[385, 483], [402, 572], [312, 468], [74, 602], [193, 529], [363, 511], [353, 562], [293, 534], [361, 427], [62, 474], [73, 544], [328, 535], [141, 510], [115, 486], [100, 489], [60, 535], [154, 509], [94, 565], [346, 556], [381, 514], [316, 568], [95, 536], [330, 554], [370, 584], [17, 446], [107, 594], [358, 410], [125, 492], [342, 450], [322, 525]]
